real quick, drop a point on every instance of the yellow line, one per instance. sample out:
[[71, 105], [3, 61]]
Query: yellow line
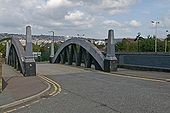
[[57, 87]]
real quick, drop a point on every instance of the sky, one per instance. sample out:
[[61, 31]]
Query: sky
[[90, 17]]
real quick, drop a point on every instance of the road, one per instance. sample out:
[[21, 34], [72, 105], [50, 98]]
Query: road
[[85, 91]]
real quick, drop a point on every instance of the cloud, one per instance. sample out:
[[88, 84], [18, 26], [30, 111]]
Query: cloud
[[112, 23], [135, 23], [61, 14], [115, 6], [78, 18], [58, 3], [77, 15]]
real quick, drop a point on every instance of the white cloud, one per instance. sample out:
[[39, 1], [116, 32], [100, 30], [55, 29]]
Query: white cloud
[[60, 14], [135, 23], [112, 23], [115, 6], [77, 15], [58, 3], [78, 18]]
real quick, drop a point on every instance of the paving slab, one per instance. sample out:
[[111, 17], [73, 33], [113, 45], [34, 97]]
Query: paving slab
[[19, 87]]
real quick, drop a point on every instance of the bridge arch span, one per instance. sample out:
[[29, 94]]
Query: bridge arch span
[[15, 54], [88, 50]]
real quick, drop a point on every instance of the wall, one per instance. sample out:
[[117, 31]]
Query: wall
[[148, 60]]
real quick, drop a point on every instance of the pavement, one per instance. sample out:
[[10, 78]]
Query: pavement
[[18, 87], [144, 74], [88, 91]]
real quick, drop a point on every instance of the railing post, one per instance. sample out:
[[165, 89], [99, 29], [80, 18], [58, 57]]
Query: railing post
[[29, 62], [110, 62]]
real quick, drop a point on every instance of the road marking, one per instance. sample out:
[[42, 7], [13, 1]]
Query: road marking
[[35, 102], [57, 87], [54, 85], [11, 110], [21, 107], [28, 98], [133, 77]]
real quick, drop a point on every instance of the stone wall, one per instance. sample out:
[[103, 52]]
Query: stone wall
[[144, 60]]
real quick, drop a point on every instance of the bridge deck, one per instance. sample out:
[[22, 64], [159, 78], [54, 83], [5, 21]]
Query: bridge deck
[[85, 91]]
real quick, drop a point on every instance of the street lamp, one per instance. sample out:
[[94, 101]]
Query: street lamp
[[52, 48], [156, 27], [166, 41]]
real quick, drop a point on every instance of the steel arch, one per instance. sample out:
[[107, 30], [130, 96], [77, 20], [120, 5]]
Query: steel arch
[[89, 47]]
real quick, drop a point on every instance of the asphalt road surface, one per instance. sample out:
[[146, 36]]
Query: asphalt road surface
[[86, 91]]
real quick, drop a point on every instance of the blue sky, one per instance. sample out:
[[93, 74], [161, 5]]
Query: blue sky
[[90, 17]]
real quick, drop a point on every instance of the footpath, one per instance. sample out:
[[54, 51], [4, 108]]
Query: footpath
[[165, 76], [17, 87]]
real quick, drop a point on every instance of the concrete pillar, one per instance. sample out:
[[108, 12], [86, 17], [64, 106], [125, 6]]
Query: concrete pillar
[[79, 56], [7, 52], [63, 56], [70, 55], [87, 59], [97, 66], [52, 52], [29, 62], [15, 58], [110, 62], [52, 48]]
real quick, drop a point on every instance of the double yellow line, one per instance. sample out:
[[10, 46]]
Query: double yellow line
[[57, 87]]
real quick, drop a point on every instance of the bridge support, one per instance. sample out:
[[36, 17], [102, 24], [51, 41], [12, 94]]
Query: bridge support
[[110, 62], [52, 52], [29, 62], [7, 52]]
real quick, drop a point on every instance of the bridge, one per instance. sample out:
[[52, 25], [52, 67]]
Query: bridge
[[98, 87], [74, 50]]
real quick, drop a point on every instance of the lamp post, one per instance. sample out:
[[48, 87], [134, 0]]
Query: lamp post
[[156, 30], [166, 41], [52, 48]]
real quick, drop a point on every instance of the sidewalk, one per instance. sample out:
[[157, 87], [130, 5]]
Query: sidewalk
[[144, 74], [19, 87]]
